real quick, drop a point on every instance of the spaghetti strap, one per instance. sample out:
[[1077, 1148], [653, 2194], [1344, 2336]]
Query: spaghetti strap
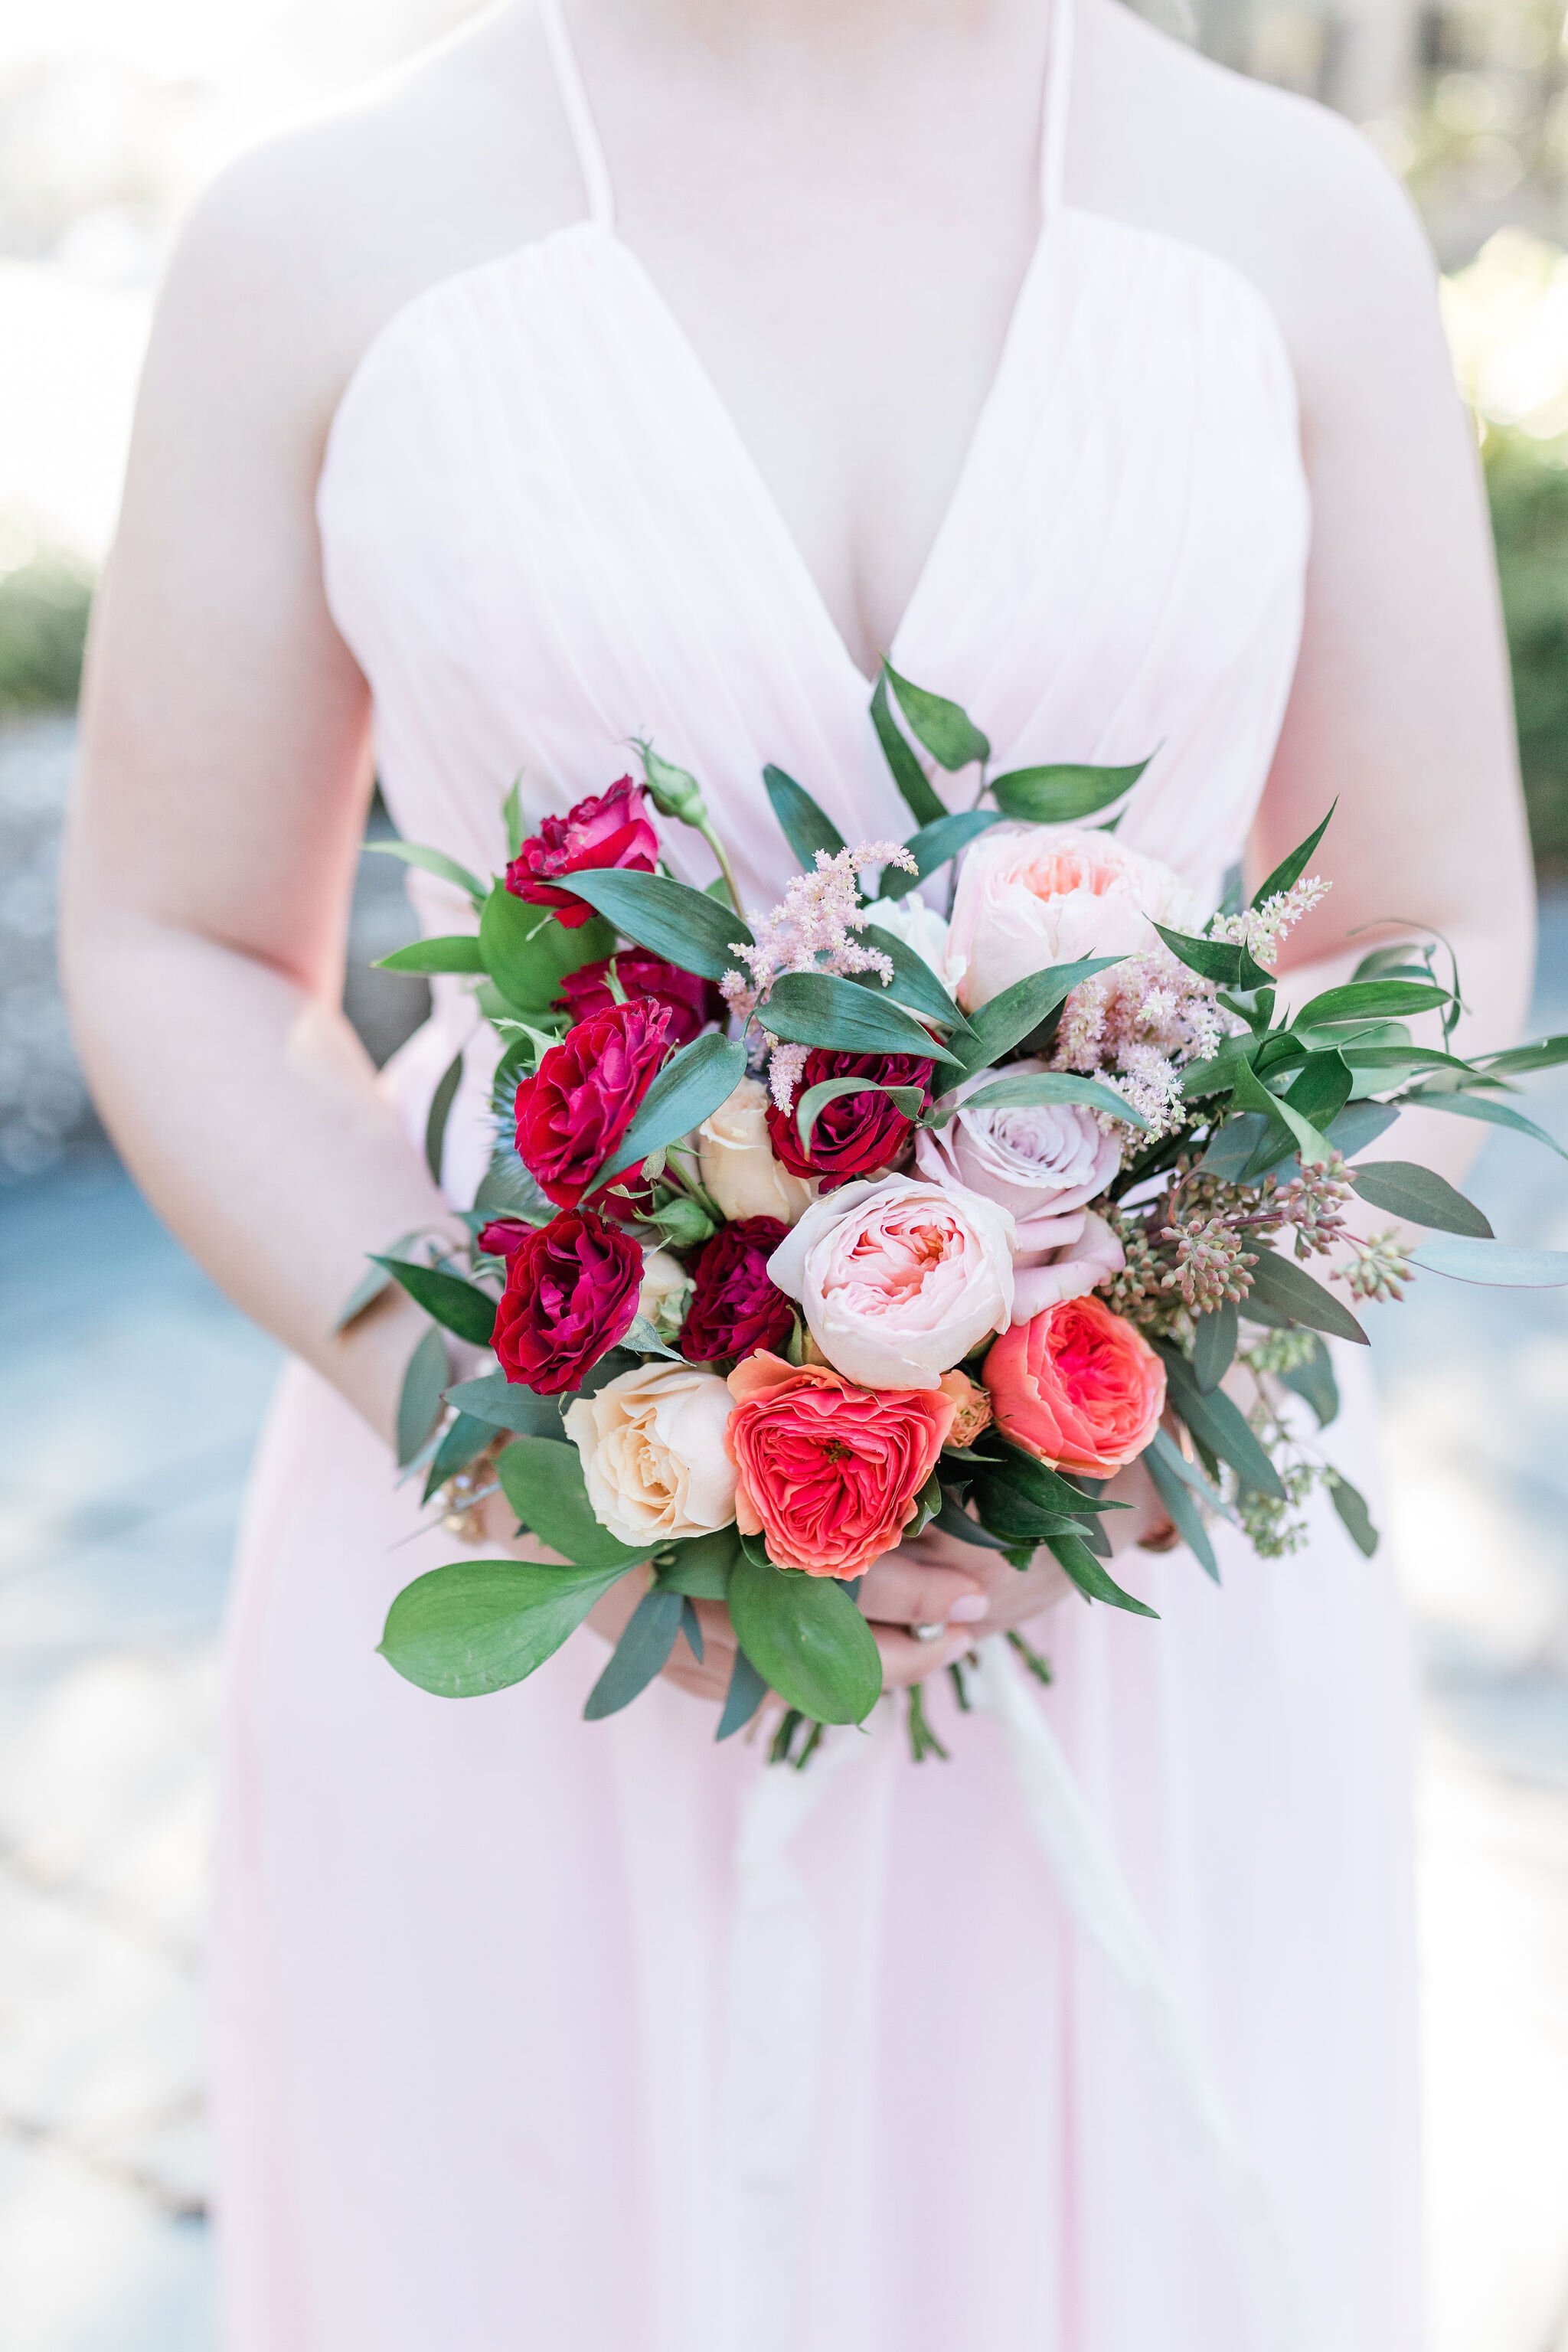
[[579, 115], [1054, 108]]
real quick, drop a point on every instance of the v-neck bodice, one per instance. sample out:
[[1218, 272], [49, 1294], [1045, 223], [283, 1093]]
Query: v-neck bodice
[[543, 534]]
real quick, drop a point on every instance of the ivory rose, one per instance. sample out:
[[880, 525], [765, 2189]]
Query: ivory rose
[[654, 1457], [1034, 894], [737, 1159], [665, 1292], [1077, 1387], [899, 1280], [828, 1473], [1040, 1159]]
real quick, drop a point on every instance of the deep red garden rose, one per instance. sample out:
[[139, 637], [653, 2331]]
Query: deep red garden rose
[[734, 1306], [855, 1134], [828, 1472], [1077, 1387], [584, 1094], [503, 1234], [606, 829], [571, 1293], [692, 1001]]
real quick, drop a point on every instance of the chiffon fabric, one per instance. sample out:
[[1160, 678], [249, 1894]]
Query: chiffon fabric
[[603, 2038]]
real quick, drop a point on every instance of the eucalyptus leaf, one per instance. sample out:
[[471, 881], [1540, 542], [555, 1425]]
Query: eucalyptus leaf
[[1033, 1088], [1321, 1089], [456, 951], [807, 827], [914, 984], [544, 1483], [1252, 1095], [1290, 869], [921, 796], [946, 729], [818, 1008], [367, 1290], [934, 843], [1288, 1288], [1009, 1018], [1493, 1262], [1213, 1345], [1220, 1425], [746, 1693], [1359, 1124], [1542, 1054], [462, 1440], [1314, 1382], [1350, 1504], [508, 1188], [440, 1110], [1061, 795], [955, 1520], [507, 1404], [461, 1306], [420, 1397], [1402, 1188], [639, 1654], [684, 926], [1181, 1504], [692, 1085], [481, 1625], [1076, 1562], [528, 953], [807, 1639], [1482, 1108], [432, 861]]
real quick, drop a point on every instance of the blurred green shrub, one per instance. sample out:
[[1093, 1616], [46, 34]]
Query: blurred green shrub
[[1529, 493], [43, 626]]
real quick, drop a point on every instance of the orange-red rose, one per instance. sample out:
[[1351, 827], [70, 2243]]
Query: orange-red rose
[[826, 1472], [1078, 1387]]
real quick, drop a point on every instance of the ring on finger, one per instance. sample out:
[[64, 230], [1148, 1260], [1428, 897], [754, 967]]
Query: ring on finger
[[928, 1633]]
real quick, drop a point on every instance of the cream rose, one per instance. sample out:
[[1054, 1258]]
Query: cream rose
[[921, 928], [737, 1161], [1041, 1159], [1033, 895], [666, 1293], [654, 1457], [899, 1280]]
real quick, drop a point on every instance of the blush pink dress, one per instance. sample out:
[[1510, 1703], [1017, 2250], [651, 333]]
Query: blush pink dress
[[600, 2038]]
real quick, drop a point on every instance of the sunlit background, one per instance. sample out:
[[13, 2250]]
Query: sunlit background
[[130, 1391]]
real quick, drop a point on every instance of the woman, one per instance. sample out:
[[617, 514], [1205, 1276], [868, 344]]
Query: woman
[[649, 374]]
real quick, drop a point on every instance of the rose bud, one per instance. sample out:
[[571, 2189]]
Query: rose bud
[[571, 1293], [502, 1235], [853, 1135], [734, 1306], [692, 1000], [606, 829], [665, 1294], [1078, 1388], [585, 1094]]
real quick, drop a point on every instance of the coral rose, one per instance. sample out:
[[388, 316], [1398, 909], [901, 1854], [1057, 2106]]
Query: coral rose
[[1078, 1387], [853, 1135], [899, 1280], [734, 1306], [571, 1293], [654, 1457], [692, 1001], [606, 829], [829, 1472], [584, 1094], [1034, 894], [739, 1169]]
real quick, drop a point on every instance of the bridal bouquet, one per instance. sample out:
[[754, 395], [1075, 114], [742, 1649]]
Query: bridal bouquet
[[809, 1229]]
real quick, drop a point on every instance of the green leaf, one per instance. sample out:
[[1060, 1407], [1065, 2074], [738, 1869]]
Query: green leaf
[[1290, 1290], [955, 1520], [528, 953], [1493, 1262], [1009, 1018], [482, 1625], [920, 797], [1359, 1124], [457, 953], [508, 1188], [544, 1484], [1314, 1381], [1218, 960], [1044, 1087], [700, 1568], [1369, 1000], [420, 1397], [366, 1291], [914, 984], [441, 1103], [461, 1440], [818, 1008], [1353, 1511], [432, 861], [692, 1085], [1321, 1089], [1390, 963], [1220, 1425], [911, 1100], [1249, 1092], [1213, 1345], [807, 1639], [684, 926], [1076, 1562], [512, 818], [807, 827], [1061, 795], [1544, 1054], [948, 732], [934, 843], [1290, 869], [507, 1404], [638, 1655], [746, 1693], [462, 1307], [1403, 1189], [1482, 1108], [1178, 1498]]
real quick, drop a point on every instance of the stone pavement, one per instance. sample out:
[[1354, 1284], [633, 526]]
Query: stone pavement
[[129, 1393]]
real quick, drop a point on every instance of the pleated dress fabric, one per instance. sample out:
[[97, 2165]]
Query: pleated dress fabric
[[510, 2050]]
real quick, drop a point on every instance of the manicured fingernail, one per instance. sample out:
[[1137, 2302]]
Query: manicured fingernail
[[969, 1610]]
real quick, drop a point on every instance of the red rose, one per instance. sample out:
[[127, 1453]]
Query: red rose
[[584, 1094], [734, 1306], [571, 1293], [503, 1234], [692, 1001], [855, 1134], [606, 829]]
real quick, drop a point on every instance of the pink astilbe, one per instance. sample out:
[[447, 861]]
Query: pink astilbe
[[1137, 1026], [1259, 930], [785, 1063], [814, 930]]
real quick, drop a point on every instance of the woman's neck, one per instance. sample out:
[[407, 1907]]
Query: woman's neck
[[721, 25]]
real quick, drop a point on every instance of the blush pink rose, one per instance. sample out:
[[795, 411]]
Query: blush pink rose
[[827, 1472], [898, 1281], [1062, 1257], [1078, 1387], [1034, 894], [1037, 1159]]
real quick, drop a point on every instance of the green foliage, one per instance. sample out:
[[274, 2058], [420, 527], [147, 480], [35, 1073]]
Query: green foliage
[[1528, 486], [43, 628]]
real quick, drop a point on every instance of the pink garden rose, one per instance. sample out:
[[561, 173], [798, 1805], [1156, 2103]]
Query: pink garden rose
[[825, 1472], [1034, 894], [1062, 1257], [1078, 1387], [1037, 1161], [899, 1280]]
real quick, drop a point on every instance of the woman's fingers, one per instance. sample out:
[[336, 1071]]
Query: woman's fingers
[[905, 1659], [900, 1590]]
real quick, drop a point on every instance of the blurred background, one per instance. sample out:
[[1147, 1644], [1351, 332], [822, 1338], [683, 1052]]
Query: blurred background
[[130, 1391]]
